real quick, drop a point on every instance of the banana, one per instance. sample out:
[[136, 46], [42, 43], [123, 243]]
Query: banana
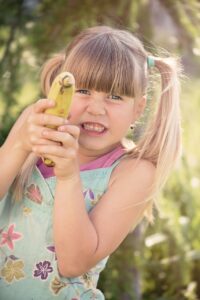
[[61, 91]]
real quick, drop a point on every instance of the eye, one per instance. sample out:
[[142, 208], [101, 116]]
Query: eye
[[83, 91], [115, 97]]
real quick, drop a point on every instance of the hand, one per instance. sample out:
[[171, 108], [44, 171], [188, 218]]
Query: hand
[[60, 145], [64, 150], [32, 122]]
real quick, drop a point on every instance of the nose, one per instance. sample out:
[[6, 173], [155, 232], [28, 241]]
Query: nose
[[96, 105]]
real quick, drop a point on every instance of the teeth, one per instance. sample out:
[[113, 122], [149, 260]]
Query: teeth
[[93, 127]]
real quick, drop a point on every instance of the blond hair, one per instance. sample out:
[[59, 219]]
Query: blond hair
[[113, 60]]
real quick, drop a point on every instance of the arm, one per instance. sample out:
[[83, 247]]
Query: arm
[[25, 134], [81, 240], [12, 155]]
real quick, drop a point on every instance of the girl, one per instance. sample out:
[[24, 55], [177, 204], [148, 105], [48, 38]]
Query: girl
[[59, 225]]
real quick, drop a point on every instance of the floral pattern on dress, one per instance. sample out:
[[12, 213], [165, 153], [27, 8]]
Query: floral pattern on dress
[[51, 248], [27, 211], [8, 237], [34, 194], [13, 270], [94, 202], [90, 194], [43, 268], [13, 257], [57, 285], [87, 279], [42, 265]]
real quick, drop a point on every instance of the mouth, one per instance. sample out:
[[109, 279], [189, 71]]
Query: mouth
[[95, 128]]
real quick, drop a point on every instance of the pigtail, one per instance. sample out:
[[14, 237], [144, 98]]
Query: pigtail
[[49, 71], [161, 144], [23, 177]]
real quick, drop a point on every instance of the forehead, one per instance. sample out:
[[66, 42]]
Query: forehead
[[103, 64]]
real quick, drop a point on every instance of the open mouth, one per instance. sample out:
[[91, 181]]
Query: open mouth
[[93, 127]]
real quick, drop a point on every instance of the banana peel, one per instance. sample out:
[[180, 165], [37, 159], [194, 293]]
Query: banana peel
[[61, 91]]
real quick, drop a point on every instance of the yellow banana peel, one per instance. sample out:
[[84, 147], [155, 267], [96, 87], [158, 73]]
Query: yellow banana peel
[[61, 91]]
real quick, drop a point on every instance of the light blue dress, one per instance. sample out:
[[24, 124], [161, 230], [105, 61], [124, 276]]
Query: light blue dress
[[28, 264]]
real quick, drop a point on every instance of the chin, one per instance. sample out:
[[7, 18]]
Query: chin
[[97, 148]]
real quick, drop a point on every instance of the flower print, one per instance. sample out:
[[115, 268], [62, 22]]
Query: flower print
[[87, 279], [43, 269], [94, 201], [90, 194], [34, 194], [13, 257], [27, 210], [57, 285], [9, 236], [52, 249], [13, 270]]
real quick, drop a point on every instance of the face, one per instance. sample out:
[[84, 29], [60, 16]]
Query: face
[[103, 120]]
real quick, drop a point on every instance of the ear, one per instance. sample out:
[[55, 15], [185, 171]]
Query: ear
[[139, 107]]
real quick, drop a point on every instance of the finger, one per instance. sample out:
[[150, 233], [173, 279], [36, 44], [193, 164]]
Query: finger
[[35, 141], [43, 119], [42, 104], [54, 151], [71, 129], [46, 150], [64, 138]]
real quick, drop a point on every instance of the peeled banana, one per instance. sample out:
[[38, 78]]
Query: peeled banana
[[61, 91]]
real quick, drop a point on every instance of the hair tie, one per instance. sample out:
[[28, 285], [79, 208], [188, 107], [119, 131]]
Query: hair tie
[[150, 62]]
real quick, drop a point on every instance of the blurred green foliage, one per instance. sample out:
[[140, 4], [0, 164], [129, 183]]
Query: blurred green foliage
[[161, 261]]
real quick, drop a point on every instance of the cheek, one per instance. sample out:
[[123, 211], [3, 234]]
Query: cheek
[[75, 111], [125, 116], [121, 124]]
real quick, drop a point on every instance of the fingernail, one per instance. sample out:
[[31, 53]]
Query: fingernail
[[51, 102], [61, 128]]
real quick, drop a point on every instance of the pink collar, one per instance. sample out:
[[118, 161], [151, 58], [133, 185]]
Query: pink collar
[[102, 162]]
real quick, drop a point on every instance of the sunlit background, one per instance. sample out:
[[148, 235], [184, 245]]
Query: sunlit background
[[158, 262]]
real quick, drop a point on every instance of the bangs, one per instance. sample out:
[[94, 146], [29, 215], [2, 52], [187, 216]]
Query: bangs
[[103, 64]]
